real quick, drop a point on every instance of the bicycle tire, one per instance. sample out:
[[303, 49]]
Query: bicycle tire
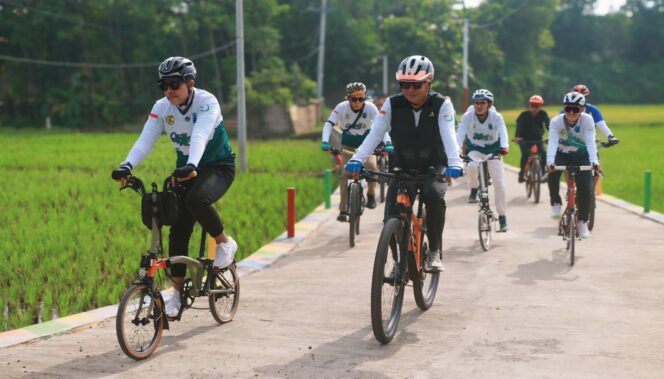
[[354, 211], [484, 229], [382, 167], [537, 178], [527, 175], [425, 285], [140, 321], [388, 281], [223, 306], [571, 237]]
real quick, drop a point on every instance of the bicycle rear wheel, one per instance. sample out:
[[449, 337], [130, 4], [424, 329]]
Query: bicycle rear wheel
[[140, 321], [388, 281], [223, 304], [425, 285], [354, 195], [484, 229], [570, 231], [536, 176], [528, 179]]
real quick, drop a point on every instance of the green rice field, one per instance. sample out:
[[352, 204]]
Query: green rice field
[[641, 132], [71, 241]]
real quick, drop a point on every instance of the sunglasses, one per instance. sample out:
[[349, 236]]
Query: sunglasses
[[356, 99], [572, 109], [174, 85], [409, 85], [536, 106]]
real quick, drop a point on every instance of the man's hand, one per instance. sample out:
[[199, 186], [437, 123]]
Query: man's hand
[[353, 167], [185, 172], [503, 151], [454, 172], [550, 168], [325, 146], [122, 173]]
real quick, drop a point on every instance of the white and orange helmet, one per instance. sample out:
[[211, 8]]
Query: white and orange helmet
[[416, 68]]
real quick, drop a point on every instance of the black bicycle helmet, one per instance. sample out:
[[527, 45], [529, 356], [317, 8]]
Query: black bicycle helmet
[[177, 67]]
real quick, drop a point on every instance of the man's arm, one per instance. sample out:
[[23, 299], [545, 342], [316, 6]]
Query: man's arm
[[205, 126], [554, 134], [380, 126], [331, 121], [446, 120]]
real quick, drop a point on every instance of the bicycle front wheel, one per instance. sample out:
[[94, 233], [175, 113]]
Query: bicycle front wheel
[[536, 175], [140, 321], [354, 195], [571, 236], [224, 294], [484, 229], [528, 179], [388, 281]]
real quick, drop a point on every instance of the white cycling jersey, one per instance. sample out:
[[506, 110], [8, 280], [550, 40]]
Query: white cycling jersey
[[486, 137], [575, 140], [353, 133], [195, 129], [382, 125]]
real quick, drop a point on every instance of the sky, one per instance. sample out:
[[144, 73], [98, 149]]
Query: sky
[[601, 7]]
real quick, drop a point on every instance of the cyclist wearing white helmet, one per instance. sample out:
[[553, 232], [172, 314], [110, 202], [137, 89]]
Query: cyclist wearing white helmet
[[572, 142], [421, 124], [354, 116], [191, 118], [471, 107], [484, 132], [598, 118]]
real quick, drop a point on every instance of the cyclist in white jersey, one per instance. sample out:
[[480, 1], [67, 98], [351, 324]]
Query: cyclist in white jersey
[[421, 124], [572, 142], [205, 165], [354, 116], [484, 131]]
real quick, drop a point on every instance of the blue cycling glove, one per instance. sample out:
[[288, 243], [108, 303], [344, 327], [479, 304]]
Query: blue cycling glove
[[325, 146], [389, 148], [454, 172], [354, 166]]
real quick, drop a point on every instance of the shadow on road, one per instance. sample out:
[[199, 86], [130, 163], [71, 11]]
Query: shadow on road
[[555, 269], [342, 357], [116, 362]]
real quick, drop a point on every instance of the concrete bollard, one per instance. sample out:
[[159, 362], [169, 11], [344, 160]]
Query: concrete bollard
[[291, 212]]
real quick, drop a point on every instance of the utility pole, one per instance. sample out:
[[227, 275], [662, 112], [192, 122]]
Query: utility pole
[[241, 109], [384, 75], [321, 49], [465, 64]]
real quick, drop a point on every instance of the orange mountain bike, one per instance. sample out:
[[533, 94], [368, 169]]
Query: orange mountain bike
[[141, 318], [567, 225], [402, 248], [532, 172]]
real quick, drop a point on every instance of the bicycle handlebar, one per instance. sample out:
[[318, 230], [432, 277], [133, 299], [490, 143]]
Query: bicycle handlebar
[[580, 168], [413, 178], [486, 158]]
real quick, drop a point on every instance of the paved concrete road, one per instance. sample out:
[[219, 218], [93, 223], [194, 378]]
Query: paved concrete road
[[518, 311]]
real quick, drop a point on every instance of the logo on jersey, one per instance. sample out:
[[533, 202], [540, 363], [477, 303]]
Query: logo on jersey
[[204, 107], [577, 128], [481, 137], [431, 114], [180, 139], [490, 126], [347, 116], [170, 119], [449, 117], [194, 117], [364, 114]]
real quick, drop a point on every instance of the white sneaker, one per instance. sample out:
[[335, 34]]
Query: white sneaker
[[173, 304], [556, 211], [225, 253], [582, 227]]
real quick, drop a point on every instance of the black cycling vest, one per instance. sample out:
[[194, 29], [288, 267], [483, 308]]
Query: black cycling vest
[[417, 147]]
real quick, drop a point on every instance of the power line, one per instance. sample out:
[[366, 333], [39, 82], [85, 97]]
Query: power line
[[44, 62]]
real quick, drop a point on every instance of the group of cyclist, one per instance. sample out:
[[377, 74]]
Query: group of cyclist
[[418, 125]]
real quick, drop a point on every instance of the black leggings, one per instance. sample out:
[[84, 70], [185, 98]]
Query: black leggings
[[434, 203], [196, 206], [525, 153], [585, 188]]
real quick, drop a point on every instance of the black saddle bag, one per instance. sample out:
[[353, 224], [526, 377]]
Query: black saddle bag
[[167, 206]]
